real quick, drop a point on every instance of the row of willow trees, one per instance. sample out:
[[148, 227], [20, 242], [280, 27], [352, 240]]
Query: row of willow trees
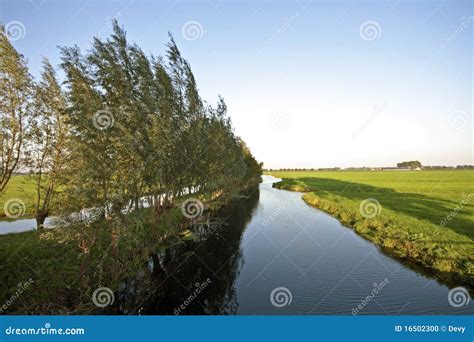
[[122, 126]]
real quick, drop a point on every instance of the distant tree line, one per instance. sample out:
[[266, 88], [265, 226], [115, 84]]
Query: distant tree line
[[305, 169], [125, 126], [458, 167], [365, 168]]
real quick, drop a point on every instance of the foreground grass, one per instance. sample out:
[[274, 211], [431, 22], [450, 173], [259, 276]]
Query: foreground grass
[[67, 264], [426, 217]]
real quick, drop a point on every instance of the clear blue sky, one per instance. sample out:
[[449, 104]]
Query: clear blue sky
[[304, 85]]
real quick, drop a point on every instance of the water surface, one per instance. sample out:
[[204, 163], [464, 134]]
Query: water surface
[[274, 242], [22, 225]]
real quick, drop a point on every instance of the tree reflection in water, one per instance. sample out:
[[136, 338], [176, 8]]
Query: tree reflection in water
[[193, 277]]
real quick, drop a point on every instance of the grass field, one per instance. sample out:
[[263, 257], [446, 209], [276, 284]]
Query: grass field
[[22, 188], [424, 216]]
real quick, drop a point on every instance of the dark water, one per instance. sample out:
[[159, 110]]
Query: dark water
[[274, 242]]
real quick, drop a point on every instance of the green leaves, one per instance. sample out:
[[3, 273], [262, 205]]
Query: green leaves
[[16, 108], [162, 140]]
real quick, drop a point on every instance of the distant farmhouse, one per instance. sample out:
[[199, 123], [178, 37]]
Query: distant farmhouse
[[405, 166]]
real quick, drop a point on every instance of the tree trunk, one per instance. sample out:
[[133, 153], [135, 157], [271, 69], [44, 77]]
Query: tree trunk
[[40, 218]]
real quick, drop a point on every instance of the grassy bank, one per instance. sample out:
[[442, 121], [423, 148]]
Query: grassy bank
[[67, 264], [426, 217]]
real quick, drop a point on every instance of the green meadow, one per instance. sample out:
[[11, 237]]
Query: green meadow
[[22, 188], [425, 217]]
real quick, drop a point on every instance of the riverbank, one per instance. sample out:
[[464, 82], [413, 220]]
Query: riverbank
[[63, 266], [422, 217]]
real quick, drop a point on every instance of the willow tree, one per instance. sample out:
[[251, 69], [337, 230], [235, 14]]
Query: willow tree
[[89, 171], [48, 146], [16, 89], [139, 128]]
